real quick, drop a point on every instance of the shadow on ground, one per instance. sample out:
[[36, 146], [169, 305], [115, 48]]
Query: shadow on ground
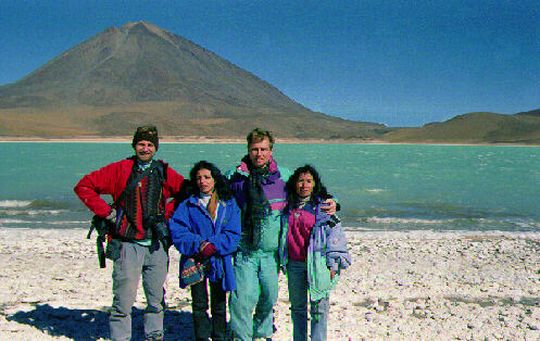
[[91, 324]]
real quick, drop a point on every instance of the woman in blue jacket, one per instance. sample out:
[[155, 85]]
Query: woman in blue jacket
[[206, 228]]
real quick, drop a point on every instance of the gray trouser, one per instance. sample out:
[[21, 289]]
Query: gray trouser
[[153, 264]]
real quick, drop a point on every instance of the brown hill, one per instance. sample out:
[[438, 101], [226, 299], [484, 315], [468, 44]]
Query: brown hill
[[138, 74], [530, 113], [523, 128]]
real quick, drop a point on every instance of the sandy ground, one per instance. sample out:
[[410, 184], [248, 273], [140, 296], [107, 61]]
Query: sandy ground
[[208, 140], [401, 286], [180, 139]]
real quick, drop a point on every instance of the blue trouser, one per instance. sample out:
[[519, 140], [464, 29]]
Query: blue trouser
[[251, 304], [136, 260], [298, 294]]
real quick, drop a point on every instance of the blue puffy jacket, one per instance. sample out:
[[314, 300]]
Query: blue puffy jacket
[[191, 224]]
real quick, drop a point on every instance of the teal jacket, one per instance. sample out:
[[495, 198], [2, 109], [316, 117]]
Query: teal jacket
[[274, 190]]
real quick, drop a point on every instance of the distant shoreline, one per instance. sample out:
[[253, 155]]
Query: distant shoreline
[[206, 140]]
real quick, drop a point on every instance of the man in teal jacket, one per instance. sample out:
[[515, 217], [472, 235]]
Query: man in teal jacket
[[258, 185]]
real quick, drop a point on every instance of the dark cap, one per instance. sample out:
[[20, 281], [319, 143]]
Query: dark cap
[[146, 133]]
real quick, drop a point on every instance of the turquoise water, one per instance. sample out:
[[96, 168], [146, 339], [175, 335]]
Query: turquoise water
[[380, 187]]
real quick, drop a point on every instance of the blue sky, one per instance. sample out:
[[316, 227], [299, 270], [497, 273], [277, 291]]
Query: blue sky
[[402, 63]]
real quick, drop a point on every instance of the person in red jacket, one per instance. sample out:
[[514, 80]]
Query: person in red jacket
[[138, 239]]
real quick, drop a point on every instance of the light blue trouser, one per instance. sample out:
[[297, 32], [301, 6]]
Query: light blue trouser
[[251, 304], [298, 294], [135, 260]]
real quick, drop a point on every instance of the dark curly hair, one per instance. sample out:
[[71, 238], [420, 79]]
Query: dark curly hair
[[319, 190], [221, 185]]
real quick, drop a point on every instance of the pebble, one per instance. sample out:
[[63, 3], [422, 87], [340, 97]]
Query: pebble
[[401, 285]]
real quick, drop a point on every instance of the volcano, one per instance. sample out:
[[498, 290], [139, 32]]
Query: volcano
[[140, 74]]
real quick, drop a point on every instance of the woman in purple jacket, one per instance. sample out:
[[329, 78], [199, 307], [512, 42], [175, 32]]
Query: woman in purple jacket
[[206, 228], [315, 251]]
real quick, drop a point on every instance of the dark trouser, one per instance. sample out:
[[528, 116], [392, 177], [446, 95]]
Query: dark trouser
[[203, 325]]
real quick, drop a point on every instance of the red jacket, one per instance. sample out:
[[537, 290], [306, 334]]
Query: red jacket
[[112, 179]]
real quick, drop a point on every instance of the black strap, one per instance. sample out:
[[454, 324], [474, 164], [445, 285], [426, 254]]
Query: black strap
[[101, 251], [155, 165]]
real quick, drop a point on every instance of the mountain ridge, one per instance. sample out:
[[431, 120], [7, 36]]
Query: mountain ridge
[[476, 127]]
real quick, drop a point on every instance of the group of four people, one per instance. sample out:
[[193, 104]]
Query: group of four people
[[243, 227]]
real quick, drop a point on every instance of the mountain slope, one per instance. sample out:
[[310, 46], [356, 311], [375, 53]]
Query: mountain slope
[[139, 73], [474, 128]]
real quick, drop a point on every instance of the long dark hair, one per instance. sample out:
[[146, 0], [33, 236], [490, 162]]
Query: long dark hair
[[221, 185], [319, 190]]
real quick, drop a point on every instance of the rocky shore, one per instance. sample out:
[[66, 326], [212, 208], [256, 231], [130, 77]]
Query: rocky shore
[[401, 286]]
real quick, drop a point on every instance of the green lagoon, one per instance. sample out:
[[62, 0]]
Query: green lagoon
[[380, 187]]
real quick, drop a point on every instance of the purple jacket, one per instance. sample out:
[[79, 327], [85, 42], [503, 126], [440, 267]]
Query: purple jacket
[[274, 189]]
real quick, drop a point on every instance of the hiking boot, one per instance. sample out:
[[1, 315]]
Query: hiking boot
[[154, 337]]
